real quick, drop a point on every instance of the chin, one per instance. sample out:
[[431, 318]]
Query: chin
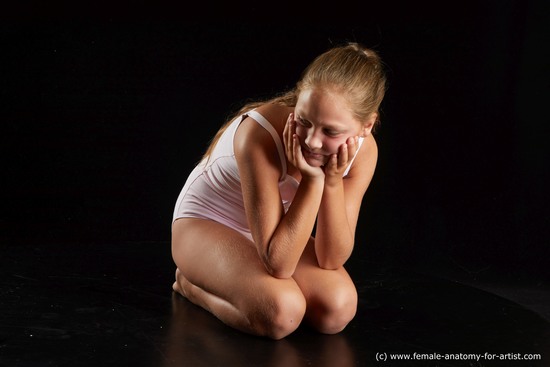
[[316, 164], [315, 160]]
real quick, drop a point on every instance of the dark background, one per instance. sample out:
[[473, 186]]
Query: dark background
[[104, 117]]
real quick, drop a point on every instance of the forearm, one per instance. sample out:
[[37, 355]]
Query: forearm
[[294, 230], [334, 237]]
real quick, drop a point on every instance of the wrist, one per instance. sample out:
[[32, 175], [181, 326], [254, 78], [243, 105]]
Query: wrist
[[314, 181], [333, 182]]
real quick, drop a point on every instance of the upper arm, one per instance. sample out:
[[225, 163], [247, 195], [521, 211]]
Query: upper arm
[[259, 169]]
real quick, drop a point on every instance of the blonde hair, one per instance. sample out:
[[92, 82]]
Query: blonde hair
[[351, 69]]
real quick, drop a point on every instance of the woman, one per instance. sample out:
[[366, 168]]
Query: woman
[[243, 223]]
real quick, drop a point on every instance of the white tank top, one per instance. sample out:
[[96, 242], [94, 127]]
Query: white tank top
[[213, 189]]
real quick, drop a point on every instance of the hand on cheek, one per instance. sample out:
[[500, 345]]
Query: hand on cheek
[[338, 163], [294, 150]]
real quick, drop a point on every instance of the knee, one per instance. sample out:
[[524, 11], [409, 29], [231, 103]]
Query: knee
[[334, 312], [284, 314]]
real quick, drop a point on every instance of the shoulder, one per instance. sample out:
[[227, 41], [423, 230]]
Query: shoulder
[[371, 147], [277, 115], [252, 139], [251, 134], [256, 150], [366, 159]]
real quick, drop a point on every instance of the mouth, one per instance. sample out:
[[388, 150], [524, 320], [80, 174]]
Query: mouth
[[316, 156]]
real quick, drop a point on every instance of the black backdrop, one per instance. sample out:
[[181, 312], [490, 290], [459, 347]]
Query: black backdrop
[[105, 119]]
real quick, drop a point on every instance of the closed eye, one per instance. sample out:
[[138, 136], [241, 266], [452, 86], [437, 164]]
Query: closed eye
[[330, 132], [327, 131], [303, 122]]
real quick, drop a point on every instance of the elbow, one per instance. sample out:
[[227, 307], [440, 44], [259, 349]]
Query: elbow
[[280, 272], [330, 257], [278, 266], [332, 262], [330, 265]]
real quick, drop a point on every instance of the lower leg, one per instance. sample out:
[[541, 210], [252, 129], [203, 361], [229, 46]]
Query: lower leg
[[219, 307], [275, 318]]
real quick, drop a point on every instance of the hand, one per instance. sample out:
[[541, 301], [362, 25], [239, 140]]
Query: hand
[[337, 163], [293, 151]]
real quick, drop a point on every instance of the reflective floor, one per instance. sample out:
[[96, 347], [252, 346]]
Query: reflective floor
[[112, 305]]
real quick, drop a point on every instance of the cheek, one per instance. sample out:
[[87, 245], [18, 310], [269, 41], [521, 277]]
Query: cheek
[[331, 145], [301, 132]]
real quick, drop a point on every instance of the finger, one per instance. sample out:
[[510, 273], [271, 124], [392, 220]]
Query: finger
[[297, 149], [287, 134], [290, 123], [343, 157], [352, 147], [332, 164]]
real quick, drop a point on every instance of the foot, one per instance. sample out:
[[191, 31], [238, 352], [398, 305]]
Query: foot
[[180, 283]]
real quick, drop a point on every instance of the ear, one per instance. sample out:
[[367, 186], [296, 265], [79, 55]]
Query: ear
[[368, 125]]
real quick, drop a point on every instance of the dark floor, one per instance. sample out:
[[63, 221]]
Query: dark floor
[[112, 305]]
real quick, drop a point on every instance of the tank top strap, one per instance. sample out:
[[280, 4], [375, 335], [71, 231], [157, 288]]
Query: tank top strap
[[267, 125], [360, 142]]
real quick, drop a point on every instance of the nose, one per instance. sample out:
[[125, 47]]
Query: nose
[[313, 141]]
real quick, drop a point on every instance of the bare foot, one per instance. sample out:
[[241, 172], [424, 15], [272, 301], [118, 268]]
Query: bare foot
[[180, 283]]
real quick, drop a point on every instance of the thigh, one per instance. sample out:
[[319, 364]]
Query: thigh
[[223, 262]]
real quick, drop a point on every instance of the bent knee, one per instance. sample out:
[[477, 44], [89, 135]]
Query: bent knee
[[284, 314], [333, 314]]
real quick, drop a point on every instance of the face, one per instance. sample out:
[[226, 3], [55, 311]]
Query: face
[[323, 124]]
